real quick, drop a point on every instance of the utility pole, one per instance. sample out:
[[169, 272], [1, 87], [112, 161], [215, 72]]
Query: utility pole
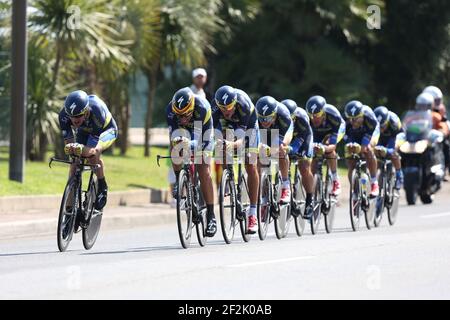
[[18, 91]]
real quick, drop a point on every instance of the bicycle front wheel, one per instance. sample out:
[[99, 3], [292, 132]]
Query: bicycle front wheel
[[331, 201], [394, 198], [184, 209], [355, 200], [318, 197], [381, 199], [244, 200], [67, 214], [299, 201], [264, 203], [282, 221], [227, 205], [94, 217]]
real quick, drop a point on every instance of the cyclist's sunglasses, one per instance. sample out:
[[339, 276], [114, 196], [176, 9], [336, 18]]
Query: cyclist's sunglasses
[[227, 107], [266, 119], [78, 115], [354, 119], [316, 115]]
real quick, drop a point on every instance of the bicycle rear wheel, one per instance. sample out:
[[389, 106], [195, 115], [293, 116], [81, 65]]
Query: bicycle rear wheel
[[299, 200], [264, 203], [244, 200], [67, 214], [94, 217], [184, 209], [330, 211], [317, 200], [227, 205], [355, 201]]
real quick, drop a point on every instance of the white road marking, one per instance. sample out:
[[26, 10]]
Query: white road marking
[[437, 215], [241, 265]]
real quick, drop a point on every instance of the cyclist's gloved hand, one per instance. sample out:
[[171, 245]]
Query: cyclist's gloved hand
[[319, 149], [73, 149], [352, 148], [266, 149], [229, 146], [185, 142], [381, 151]]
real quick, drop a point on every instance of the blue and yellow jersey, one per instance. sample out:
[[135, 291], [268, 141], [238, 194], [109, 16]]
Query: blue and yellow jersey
[[332, 128], [98, 121], [394, 126]]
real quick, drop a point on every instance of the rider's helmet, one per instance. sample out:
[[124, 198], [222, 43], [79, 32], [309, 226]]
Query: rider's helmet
[[290, 104], [315, 105], [225, 98], [266, 109], [354, 109], [76, 103], [382, 114], [436, 93], [183, 102], [424, 101]]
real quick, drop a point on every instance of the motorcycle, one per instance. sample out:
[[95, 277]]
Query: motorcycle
[[422, 157]]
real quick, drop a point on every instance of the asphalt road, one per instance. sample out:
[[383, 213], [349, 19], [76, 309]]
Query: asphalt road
[[407, 261]]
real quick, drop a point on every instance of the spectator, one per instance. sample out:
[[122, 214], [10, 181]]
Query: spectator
[[199, 78]]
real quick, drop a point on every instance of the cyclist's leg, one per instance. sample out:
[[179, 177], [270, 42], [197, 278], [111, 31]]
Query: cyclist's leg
[[251, 167], [106, 139]]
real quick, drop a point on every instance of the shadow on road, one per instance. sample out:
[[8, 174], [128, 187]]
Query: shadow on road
[[32, 253]]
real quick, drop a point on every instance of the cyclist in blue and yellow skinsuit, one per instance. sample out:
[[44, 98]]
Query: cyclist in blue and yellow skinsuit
[[302, 146], [190, 122], [390, 140], [233, 111], [328, 130], [95, 131], [362, 128], [273, 115]]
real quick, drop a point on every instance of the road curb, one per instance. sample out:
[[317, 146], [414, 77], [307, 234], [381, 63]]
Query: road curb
[[17, 204], [42, 227]]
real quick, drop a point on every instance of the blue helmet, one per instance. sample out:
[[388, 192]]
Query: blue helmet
[[225, 98], [315, 105], [290, 104], [266, 108], [76, 103], [353, 109], [382, 114], [183, 101]]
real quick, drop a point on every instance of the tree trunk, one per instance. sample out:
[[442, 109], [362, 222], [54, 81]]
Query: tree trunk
[[152, 79]]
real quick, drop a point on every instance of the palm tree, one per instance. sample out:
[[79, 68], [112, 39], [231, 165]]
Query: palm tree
[[187, 29], [81, 35]]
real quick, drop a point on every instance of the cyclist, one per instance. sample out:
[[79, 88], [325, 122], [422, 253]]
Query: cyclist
[[328, 130], [362, 128], [273, 115], [440, 121], [234, 111], [95, 131], [189, 118], [302, 146], [390, 127]]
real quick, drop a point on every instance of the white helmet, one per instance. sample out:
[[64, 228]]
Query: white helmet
[[434, 91], [424, 101]]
